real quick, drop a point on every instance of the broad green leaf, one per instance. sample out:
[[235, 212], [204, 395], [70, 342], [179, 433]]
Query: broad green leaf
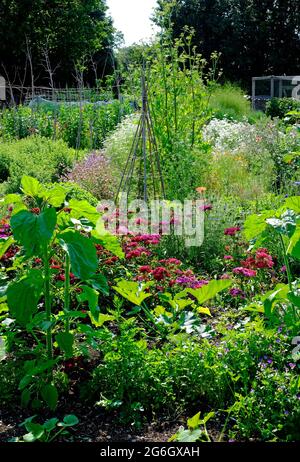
[[207, 417], [69, 421], [5, 245], [12, 199], [50, 424], [132, 291], [82, 209], [293, 203], [65, 341], [294, 244], [256, 225], [55, 196], [102, 318], [31, 186], [36, 432], [82, 252], [108, 241], [50, 396], [193, 422], [210, 290], [34, 371], [34, 232], [202, 310], [91, 296], [284, 225], [294, 298], [187, 436], [23, 296], [99, 282]]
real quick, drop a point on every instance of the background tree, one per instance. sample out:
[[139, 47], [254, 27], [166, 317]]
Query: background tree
[[255, 37], [67, 31]]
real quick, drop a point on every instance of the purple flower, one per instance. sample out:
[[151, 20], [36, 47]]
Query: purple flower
[[237, 293], [93, 174]]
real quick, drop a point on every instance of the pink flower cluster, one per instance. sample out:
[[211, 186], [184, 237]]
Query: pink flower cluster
[[248, 273]]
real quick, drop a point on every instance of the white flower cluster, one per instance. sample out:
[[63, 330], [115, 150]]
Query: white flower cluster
[[226, 136]]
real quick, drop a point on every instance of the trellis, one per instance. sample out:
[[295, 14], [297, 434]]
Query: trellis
[[143, 166]]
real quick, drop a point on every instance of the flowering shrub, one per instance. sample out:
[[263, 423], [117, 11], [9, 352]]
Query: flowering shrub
[[94, 174]]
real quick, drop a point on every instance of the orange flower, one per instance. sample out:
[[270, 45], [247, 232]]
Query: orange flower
[[201, 189]]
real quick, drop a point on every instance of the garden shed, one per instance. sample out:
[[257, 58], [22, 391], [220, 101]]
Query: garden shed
[[266, 87]]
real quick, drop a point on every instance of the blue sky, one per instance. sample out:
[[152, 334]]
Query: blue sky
[[132, 17]]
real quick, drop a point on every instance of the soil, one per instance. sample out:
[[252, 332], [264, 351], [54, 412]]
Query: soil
[[94, 426]]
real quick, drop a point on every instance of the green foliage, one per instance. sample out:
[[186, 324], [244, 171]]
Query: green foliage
[[230, 102], [23, 296], [47, 432], [140, 380], [44, 227], [271, 410], [250, 36], [82, 254], [279, 107], [38, 157], [79, 127], [67, 31], [194, 432], [10, 376]]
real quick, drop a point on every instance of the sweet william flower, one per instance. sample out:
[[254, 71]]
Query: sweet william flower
[[246, 272], [160, 273], [145, 269], [232, 231]]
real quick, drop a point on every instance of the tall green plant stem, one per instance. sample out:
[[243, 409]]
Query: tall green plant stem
[[288, 272], [67, 292], [287, 263], [48, 304]]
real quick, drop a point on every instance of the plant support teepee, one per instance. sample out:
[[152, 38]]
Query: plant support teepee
[[142, 176]]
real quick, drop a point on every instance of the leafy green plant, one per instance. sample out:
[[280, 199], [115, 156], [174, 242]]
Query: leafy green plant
[[285, 223], [44, 225], [196, 430], [279, 107], [47, 432]]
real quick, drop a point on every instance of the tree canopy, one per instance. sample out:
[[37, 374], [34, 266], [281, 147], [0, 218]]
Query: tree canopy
[[55, 33], [255, 37]]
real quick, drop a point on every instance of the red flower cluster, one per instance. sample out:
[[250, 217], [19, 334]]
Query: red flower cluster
[[262, 260], [232, 231], [4, 229], [171, 262], [145, 269], [138, 252], [111, 261], [36, 211], [160, 273], [135, 244], [12, 251]]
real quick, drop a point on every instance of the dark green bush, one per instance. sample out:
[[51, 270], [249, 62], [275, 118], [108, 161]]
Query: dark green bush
[[279, 107], [10, 376]]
